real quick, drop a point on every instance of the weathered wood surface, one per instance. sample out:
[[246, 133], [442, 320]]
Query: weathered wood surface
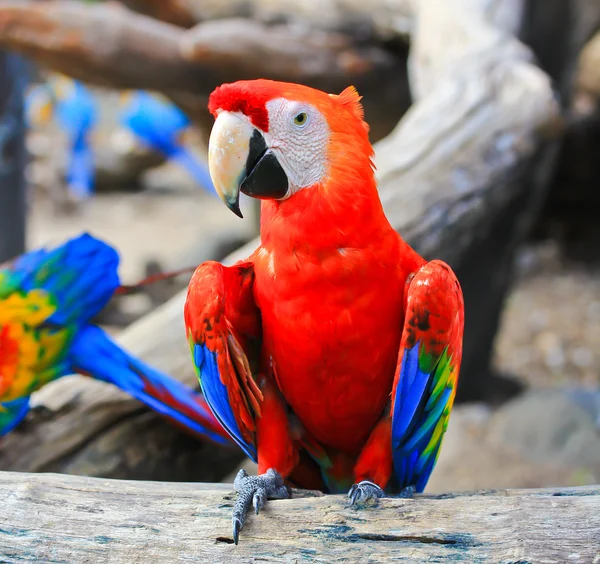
[[461, 178], [58, 518]]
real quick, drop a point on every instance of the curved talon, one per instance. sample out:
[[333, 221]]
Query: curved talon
[[237, 527], [259, 499], [255, 490], [407, 493], [364, 491]]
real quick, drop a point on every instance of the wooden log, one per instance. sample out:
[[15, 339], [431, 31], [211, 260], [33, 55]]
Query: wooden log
[[58, 518], [107, 44], [177, 12], [381, 20], [13, 80]]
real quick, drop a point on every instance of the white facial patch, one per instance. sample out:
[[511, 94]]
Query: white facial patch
[[298, 135]]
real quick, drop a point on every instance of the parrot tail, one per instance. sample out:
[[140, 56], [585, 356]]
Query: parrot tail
[[80, 276], [198, 170], [94, 354]]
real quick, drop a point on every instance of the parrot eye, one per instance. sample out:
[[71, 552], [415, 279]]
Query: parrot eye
[[301, 119]]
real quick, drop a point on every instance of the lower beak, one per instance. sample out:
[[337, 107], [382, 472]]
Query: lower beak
[[240, 161]]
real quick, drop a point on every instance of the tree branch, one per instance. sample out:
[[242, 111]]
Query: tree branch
[[109, 45], [68, 518]]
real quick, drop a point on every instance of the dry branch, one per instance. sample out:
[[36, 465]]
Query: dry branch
[[58, 518], [187, 13], [107, 44], [382, 20], [176, 12]]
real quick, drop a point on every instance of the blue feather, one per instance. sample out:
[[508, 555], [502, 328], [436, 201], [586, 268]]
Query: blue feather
[[81, 275], [409, 392], [158, 125], [12, 413], [217, 396], [416, 415], [80, 171], [94, 353], [77, 115], [432, 418]]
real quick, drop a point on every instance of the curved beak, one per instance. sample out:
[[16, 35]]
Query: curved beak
[[239, 160]]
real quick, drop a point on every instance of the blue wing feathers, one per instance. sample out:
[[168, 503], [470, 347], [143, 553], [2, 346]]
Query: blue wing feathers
[[412, 366], [81, 275], [217, 397], [416, 414], [409, 392], [430, 422], [12, 413], [94, 353]]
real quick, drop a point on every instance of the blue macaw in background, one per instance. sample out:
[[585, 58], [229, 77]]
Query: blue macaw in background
[[76, 112], [160, 126]]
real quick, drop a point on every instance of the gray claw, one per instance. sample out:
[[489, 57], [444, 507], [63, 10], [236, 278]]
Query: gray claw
[[259, 499], [237, 527], [364, 491], [255, 490], [407, 493]]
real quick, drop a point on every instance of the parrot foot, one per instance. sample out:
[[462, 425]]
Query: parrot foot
[[407, 493], [364, 491], [255, 490]]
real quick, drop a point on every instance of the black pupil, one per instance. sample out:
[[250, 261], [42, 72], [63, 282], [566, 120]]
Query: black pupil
[[300, 118]]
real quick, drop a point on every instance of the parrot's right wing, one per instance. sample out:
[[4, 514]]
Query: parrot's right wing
[[427, 372], [223, 328]]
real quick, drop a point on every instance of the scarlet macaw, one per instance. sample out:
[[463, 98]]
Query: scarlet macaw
[[331, 354], [47, 299]]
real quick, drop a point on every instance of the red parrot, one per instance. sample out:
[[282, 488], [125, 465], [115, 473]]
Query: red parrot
[[331, 355]]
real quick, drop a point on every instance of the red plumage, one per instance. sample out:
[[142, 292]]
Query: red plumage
[[326, 310]]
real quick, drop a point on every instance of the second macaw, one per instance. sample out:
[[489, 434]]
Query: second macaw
[[76, 112], [160, 126], [47, 301], [332, 353]]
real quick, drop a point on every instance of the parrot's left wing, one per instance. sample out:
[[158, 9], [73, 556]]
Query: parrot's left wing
[[223, 328], [427, 372]]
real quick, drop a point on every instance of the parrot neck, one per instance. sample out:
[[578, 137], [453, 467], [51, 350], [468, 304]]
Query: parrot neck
[[324, 217]]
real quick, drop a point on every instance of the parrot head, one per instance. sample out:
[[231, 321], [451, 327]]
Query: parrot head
[[271, 140]]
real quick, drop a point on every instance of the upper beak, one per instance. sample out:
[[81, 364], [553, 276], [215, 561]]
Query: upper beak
[[240, 161]]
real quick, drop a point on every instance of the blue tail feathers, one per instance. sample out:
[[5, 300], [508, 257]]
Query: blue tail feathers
[[94, 353]]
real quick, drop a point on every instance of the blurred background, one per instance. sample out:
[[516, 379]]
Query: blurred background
[[486, 119]]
